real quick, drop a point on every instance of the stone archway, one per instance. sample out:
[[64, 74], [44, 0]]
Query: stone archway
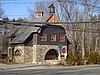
[[52, 54]]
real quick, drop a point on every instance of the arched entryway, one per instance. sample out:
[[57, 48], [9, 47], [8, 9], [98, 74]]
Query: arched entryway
[[52, 54]]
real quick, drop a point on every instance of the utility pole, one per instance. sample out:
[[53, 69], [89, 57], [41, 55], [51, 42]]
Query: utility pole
[[96, 44], [83, 35], [90, 38]]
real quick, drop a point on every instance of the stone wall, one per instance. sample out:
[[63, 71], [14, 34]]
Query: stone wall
[[32, 54], [28, 54], [42, 50], [19, 58]]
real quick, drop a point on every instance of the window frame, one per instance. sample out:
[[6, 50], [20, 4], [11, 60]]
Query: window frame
[[43, 37], [61, 38], [53, 37]]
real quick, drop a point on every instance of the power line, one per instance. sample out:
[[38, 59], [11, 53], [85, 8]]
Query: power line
[[17, 15], [30, 15], [22, 2], [48, 2], [88, 30], [85, 29], [8, 0], [97, 21], [86, 4], [75, 2], [18, 2]]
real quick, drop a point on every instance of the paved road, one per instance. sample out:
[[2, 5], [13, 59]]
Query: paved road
[[45, 70]]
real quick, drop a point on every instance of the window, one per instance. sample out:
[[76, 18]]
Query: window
[[17, 53], [62, 38], [39, 14], [52, 37], [44, 37], [10, 39]]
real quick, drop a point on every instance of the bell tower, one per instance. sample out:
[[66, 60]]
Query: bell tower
[[51, 9]]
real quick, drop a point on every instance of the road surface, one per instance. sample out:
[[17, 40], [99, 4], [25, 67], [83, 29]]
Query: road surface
[[53, 70]]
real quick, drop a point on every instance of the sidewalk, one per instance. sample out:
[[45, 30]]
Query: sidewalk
[[16, 66], [36, 66]]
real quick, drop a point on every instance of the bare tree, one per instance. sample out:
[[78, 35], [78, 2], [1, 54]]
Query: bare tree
[[38, 6], [31, 14], [77, 10], [1, 11], [68, 10]]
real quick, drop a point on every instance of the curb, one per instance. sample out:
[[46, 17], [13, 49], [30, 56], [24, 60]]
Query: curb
[[30, 66], [23, 66]]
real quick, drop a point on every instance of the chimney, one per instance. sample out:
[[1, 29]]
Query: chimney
[[39, 14], [51, 9]]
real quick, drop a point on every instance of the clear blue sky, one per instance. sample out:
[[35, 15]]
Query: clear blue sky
[[13, 10]]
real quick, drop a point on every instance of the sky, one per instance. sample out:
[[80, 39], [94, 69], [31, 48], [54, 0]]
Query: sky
[[19, 10]]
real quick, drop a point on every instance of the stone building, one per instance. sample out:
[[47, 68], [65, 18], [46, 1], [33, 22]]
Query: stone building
[[38, 43]]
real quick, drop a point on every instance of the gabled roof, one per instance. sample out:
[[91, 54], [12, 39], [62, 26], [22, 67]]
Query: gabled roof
[[43, 19], [23, 34], [25, 31]]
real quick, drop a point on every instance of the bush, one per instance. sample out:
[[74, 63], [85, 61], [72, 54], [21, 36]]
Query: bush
[[70, 61], [94, 58], [98, 59], [76, 59]]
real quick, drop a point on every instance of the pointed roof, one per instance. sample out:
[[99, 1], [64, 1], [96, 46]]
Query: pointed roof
[[26, 31], [51, 5], [43, 19], [23, 34]]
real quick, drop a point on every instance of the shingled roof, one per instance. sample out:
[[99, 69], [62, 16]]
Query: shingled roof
[[23, 34], [14, 31]]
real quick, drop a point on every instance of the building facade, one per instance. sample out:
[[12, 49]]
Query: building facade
[[38, 43]]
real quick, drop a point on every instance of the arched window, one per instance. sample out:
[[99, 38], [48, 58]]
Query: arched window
[[17, 53], [51, 55]]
